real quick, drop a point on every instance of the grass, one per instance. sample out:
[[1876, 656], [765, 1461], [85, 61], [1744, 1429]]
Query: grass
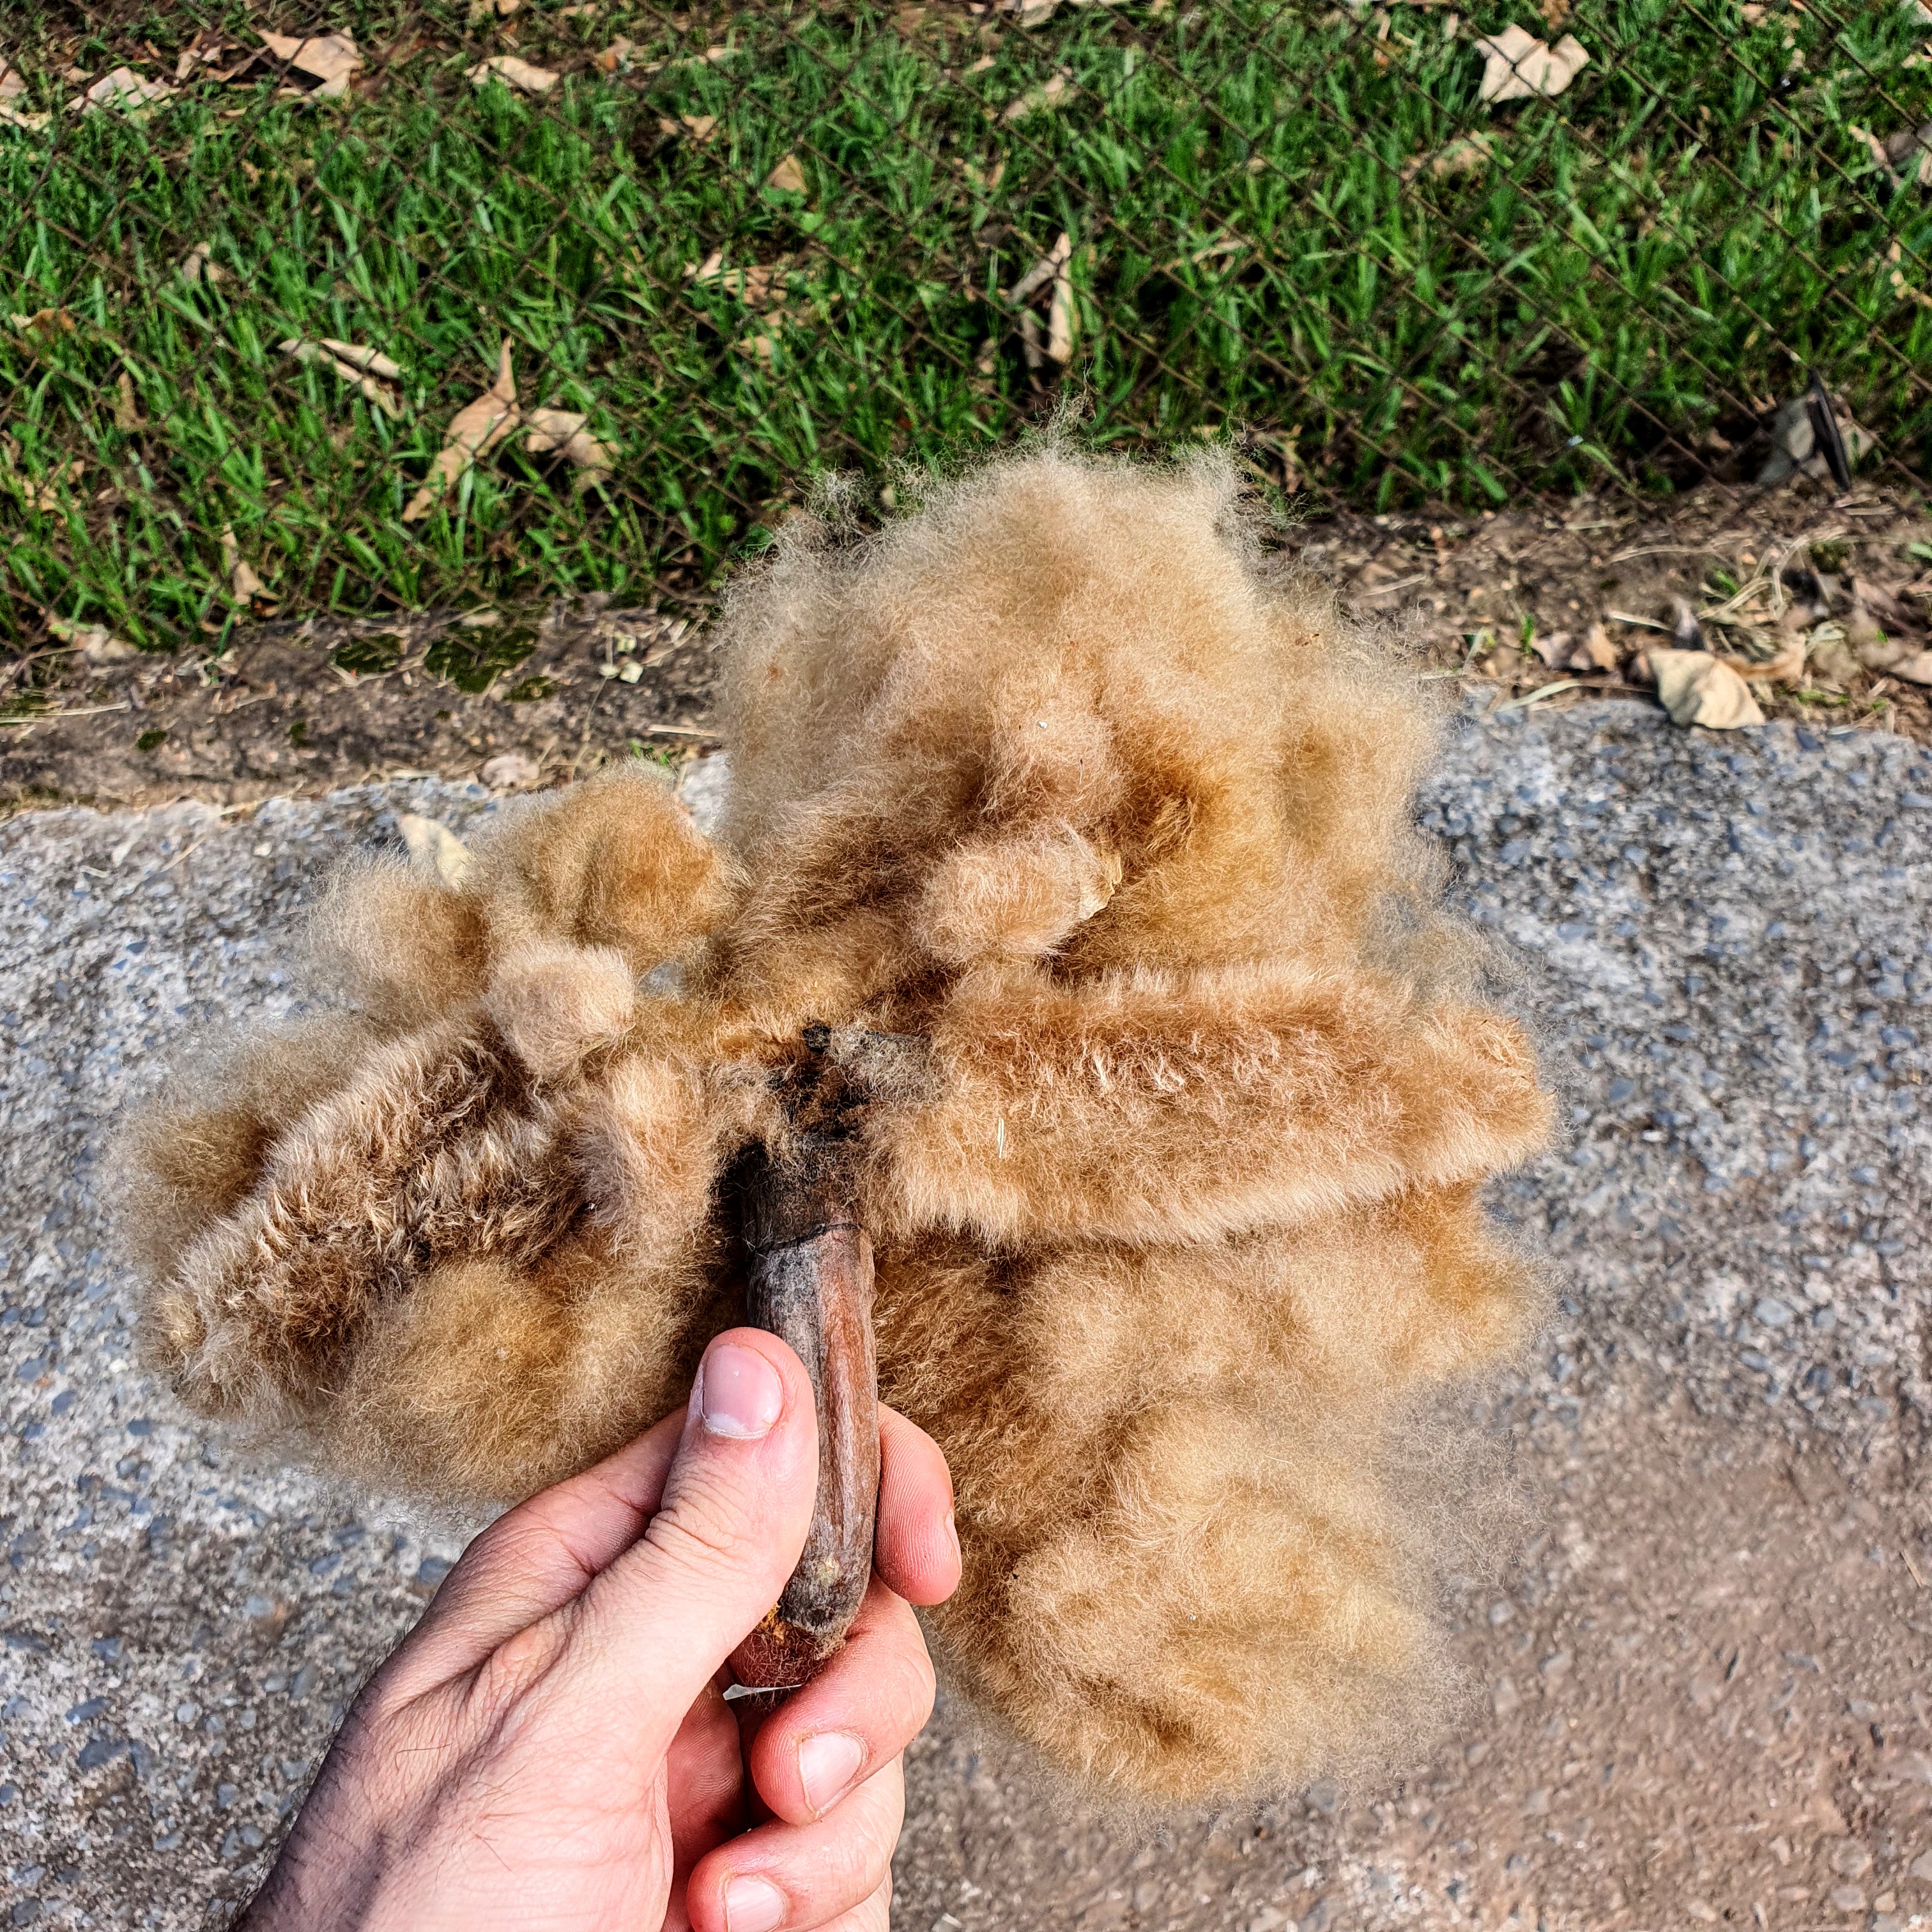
[[1271, 233]]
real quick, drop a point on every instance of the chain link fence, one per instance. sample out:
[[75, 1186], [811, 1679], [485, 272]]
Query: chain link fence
[[375, 306]]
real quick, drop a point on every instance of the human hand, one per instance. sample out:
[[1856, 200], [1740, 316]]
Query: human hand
[[550, 1747]]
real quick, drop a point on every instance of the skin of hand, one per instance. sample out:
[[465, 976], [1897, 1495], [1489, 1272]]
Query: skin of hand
[[550, 1748]]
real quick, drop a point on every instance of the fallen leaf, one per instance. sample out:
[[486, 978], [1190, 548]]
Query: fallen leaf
[[1517, 65], [126, 405], [1593, 651], [754, 287], [330, 59], [1047, 268], [1035, 99], [700, 128], [435, 851], [364, 361], [243, 584], [1553, 648], [1031, 12], [44, 495], [1461, 157], [510, 771], [202, 53], [198, 265], [1697, 688], [561, 432], [96, 642], [1555, 13], [44, 322], [362, 366], [1062, 319], [123, 90], [788, 178], [13, 88], [617, 54], [1916, 669], [474, 430], [514, 72]]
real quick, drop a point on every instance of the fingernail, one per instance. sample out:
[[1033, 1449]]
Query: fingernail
[[753, 1905], [952, 1537], [738, 1395], [828, 1762]]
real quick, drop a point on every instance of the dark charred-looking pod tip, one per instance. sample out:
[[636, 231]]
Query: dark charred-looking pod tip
[[809, 1282]]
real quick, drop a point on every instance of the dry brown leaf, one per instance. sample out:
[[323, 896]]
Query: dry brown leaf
[[513, 72], [1916, 669], [1047, 268], [1517, 66], [43, 495], [123, 90], [127, 405], [788, 178], [561, 432], [1697, 688], [354, 363], [243, 584], [1553, 648], [13, 88], [754, 286], [617, 54], [198, 266], [1460, 157], [434, 850], [333, 59], [700, 127], [45, 322], [1593, 651], [95, 642], [364, 361], [474, 430], [1062, 318], [1056, 89]]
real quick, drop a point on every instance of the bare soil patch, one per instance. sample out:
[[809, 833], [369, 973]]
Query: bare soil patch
[[537, 695]]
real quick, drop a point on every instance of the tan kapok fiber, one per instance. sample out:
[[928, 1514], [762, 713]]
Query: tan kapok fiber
[[1176, 1187]]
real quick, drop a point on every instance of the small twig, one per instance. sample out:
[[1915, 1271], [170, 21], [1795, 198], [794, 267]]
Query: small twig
[[1625, 617]]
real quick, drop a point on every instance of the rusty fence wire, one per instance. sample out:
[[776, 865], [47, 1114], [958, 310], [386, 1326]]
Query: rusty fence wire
[[362, 305]]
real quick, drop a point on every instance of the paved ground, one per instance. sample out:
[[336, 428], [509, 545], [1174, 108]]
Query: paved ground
[[1700, 1683]]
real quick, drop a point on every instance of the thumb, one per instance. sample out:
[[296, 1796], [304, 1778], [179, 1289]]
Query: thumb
[[737, 1502]]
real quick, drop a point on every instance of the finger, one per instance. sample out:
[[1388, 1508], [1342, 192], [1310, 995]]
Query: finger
[[737, 1502], [792, 1877], [917, 1548], [704, 1784], [535, 1557], [867, 1702]]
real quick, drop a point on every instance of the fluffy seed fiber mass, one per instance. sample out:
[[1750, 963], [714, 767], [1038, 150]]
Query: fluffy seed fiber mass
[[1176, 1195]]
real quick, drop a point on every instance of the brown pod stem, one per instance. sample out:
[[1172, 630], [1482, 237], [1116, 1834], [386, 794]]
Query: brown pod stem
[[809, 1281]]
